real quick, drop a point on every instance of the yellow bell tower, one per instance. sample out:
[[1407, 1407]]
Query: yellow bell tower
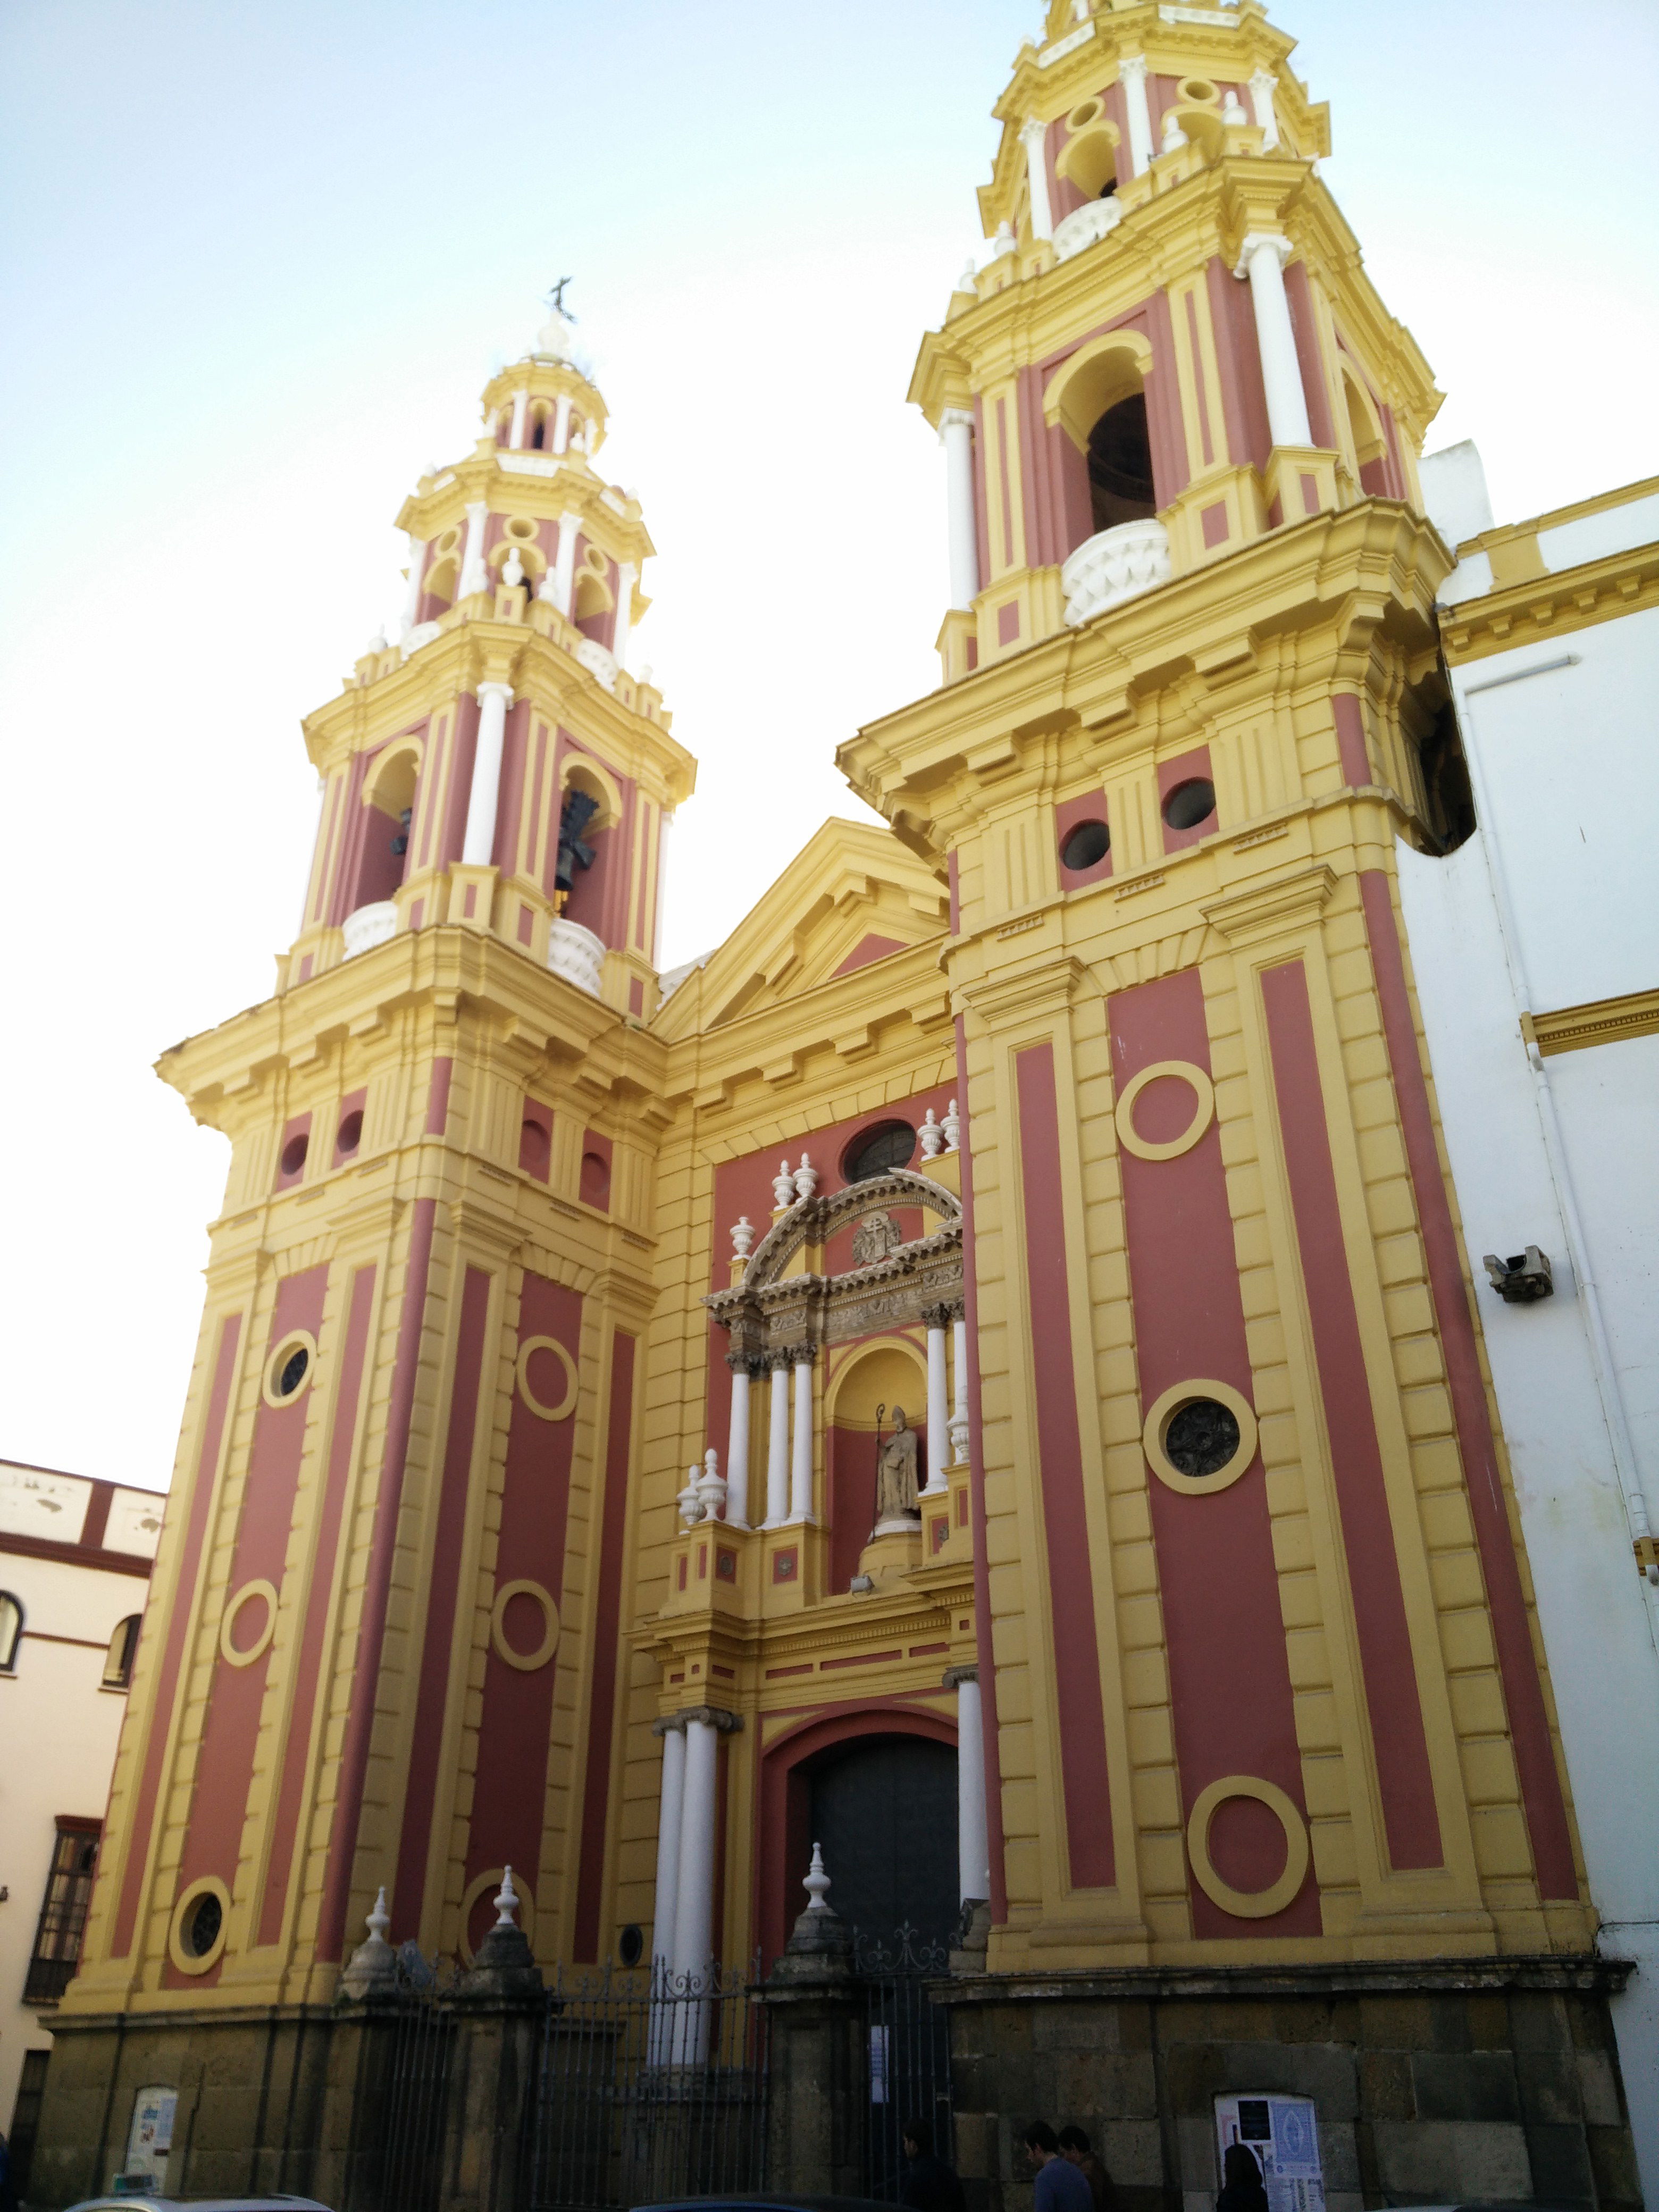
[[385, 1642]]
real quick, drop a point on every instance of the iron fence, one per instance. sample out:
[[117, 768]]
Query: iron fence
[[652, 2086], [417, 2083], [908, 2046]]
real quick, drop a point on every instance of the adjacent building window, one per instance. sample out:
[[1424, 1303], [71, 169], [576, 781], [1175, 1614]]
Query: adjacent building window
[[64, 1912], [122, 1650], [11, 1631]]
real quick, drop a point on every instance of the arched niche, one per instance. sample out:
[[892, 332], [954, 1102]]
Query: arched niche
[[871, 1378], [1371, 447], [388, 800]]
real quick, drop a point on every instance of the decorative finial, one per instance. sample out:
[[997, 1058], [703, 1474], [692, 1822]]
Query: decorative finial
[[951, 1125], [513, 570], [556, 299], [711, 1486], [688, 1501], [743, 1237], [506, 1901], [783, 1186], [932, 1136], [815, 1881], [380, 1920], [806, 1176]]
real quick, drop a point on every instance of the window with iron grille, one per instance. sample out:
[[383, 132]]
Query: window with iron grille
[[64, 1912]]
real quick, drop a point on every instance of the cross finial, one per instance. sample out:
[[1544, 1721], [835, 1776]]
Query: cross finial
[[556, 299]]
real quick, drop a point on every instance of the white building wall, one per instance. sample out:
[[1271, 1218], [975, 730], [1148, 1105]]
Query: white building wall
[[58, 1725], [1550, 905]]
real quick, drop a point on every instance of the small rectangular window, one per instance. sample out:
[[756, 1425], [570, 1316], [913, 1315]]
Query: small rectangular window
[[63, 1910]]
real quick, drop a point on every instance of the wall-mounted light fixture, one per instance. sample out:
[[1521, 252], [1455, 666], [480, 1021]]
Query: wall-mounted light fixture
[[1523, 1277]]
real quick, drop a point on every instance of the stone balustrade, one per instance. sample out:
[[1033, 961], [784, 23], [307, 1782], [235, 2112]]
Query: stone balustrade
[[1112, 566], [1086, 227], [575, 953], [369, 926]]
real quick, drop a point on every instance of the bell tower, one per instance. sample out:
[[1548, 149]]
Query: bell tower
[[1259, 1674], [384, 1650]]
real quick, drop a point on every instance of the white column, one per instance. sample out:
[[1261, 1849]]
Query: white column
[[412, 595], [475, 577], [737, 1444], [625, 579], [668, 1845], [1033, 138], [515, 436], [557, 584], [1131, 76], [1262, 260], [973, 1835], [479, 845], [694, 1903], [1263, 85], [561, 422], [938, 1402], [777, 1447], [955, 430], [959, 1375], [800, 1460]]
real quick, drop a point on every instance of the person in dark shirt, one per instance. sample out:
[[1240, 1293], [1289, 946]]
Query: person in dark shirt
[[1240, 2182], [929, 2184], [1075, 2145], [1060, 2186]]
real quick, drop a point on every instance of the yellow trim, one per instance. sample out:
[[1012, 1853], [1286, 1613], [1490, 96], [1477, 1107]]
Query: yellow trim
[[230, 1651], [527, 1663], [188, 1962], [1162, 1410], [1248, 1905], [1185, 1071], [1600, 1021], [1093, 379], [534, 1344], [278, 1357]]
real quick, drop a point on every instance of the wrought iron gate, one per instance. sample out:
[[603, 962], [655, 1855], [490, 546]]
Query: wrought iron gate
[[908, 2045], [651, 2087], [417, 2084]]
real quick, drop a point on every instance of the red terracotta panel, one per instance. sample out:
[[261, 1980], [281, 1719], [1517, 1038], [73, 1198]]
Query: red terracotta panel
[[1086, 1782], [1399, 1744], [607, 1620]]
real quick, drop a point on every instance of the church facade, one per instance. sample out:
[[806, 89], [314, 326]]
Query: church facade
[[980, 1371]]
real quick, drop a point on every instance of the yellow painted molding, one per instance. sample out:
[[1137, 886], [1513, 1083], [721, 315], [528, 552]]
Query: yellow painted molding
[[1253, 1904], [1602, 1021]]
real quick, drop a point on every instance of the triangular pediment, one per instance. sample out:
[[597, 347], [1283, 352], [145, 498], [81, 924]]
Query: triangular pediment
[[851, 897]]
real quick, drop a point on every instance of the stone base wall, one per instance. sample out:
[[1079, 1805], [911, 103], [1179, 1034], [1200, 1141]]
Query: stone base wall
[[1495, 2083]]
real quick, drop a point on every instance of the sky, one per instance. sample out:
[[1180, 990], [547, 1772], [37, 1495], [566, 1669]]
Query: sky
[[257, 263]]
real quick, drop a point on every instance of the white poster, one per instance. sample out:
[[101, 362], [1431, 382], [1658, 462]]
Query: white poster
[[150, 2137], [1282, 2135]]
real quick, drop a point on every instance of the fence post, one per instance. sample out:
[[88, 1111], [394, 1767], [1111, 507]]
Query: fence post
[[815, 2088], [500, 2006]]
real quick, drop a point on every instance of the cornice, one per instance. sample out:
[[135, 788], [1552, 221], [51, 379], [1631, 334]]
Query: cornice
[[1542, 608], [1600, 1021]]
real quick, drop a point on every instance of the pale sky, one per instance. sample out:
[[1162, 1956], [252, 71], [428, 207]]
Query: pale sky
[[257, 262]]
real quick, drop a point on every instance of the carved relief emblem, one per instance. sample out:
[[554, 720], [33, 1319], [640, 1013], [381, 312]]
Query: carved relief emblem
[[875, 1237]]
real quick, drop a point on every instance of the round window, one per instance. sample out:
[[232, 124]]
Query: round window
[[295, 1369], [1081, 118], [520, 528], [350, 1131], [631, 1949], [877, 1151], [200, 1929], [1190, 803], [294, 1153], [1198, 89], [1202, 1438], [1086, 845]]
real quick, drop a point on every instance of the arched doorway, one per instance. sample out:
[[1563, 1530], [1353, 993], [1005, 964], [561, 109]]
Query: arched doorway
[[885, 1810]]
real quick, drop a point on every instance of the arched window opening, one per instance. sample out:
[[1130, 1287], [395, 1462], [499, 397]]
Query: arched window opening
[[1088, 160], [11, 1631], [589, 807], [877, 1151], [1365, 433], [63, 1910], [593, 606], [1120, 465], [538, 430], [1448, 802], [122, 1650], [576, 855], [389, 803], [504, 426], [438, 587]]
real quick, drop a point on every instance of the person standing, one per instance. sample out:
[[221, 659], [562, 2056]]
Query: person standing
[[1060, 2186], [1075, 2146], [929, 2184], [1242, 2189]]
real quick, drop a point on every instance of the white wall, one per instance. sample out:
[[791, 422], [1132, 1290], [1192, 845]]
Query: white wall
[[1550, 905], [58, 1736]]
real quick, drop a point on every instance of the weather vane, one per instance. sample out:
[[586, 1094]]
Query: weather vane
[[556, 299]]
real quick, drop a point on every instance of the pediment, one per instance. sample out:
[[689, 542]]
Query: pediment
[[852, 896]]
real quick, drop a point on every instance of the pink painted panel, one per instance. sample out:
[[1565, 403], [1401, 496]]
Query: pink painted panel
[[868, 948], [1172, 773], [1308, 355], [607, 1618], [1244, 399]]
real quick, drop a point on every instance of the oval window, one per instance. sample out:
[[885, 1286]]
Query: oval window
[[351, 1132], [877, 1151], [294, 1153], [1201, 1438], [1190, 803], [293, 1372], [202, 1929], [631, 1949], [1086, 846]]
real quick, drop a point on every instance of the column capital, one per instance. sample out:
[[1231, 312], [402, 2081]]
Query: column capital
[[669, 1724], [776, 1361], [1263, 81], [954, 418], [1262, 241], [489, 689], [939, 1317], [803, 1355], [747, 1364], [954, 1677], [714, 1716], [1132, 69], [1033, 131]]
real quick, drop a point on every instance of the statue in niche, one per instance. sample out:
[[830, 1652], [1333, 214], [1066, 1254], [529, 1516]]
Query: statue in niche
[[874, 1238], [896, 1472]]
